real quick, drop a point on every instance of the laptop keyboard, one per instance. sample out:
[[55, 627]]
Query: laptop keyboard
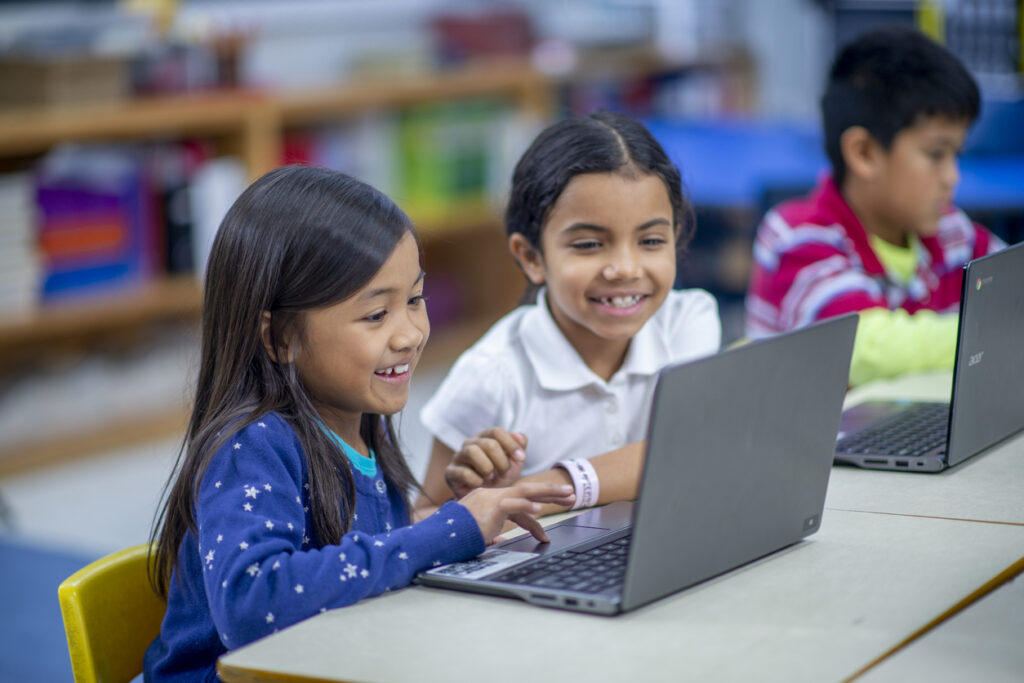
[[587, 570], [915, 431]]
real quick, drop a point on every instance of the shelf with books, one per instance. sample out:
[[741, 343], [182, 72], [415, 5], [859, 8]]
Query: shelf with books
[[243, 120], [473, 278], [160, 300]]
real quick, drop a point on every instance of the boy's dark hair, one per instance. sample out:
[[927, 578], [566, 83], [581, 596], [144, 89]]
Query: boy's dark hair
[[297, 239], [602, 142], [885, 80]]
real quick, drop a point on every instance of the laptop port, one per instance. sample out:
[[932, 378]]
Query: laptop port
[[541, 596], [571, 602], [902, 463], [875, 461]]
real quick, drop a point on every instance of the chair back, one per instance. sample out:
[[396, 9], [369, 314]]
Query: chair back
[[111, 615]]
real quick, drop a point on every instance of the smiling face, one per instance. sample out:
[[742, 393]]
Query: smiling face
[[357, 356], [607, 258], [915, 179]]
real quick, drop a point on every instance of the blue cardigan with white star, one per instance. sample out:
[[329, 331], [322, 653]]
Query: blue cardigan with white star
[[257, 567]]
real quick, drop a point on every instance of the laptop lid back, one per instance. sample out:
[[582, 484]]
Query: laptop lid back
[[739, 452], [988, 389]]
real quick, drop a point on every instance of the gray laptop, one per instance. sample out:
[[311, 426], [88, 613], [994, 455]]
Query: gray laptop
[[739, 451], [987, 402]]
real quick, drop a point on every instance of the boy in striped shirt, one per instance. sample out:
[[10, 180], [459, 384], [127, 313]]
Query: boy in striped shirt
[[880, 236]]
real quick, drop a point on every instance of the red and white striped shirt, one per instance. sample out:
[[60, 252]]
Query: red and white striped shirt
[[813, 260]]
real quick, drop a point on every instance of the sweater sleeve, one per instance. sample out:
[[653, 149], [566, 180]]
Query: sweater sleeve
[[890, 343], [261, 570]]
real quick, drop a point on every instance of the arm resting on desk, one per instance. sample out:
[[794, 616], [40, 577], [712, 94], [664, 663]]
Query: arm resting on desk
[[891, 343]]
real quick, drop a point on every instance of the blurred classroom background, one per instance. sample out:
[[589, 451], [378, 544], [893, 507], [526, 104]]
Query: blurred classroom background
[[128, 127]]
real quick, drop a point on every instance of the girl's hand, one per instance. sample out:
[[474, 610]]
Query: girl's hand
[[490, 507], [493, 458]]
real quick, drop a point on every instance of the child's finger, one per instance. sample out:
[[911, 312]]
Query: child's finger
[[462, 478], [544, 492], [531, 525], [511, 443], [473, 456], [497, 454]]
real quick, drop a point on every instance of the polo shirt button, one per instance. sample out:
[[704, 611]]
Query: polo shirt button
[[381, 488], [612, 407]]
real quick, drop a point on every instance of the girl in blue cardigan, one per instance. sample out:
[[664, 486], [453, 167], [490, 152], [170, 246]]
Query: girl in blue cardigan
[[291, 494]]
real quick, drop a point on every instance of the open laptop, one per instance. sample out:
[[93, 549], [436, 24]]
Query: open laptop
[[987, 403], [739, 451]]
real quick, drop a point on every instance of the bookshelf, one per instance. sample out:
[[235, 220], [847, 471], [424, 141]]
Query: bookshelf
[[252, 126]]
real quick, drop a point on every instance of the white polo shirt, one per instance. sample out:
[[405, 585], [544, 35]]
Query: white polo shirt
[[524, 376]]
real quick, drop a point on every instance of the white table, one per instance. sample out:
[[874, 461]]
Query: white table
[[895, 551], [817, 611], [988, 487], [981, 643]]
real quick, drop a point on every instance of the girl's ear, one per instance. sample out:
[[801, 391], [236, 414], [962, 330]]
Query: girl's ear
[[268, 345], [861, 152], [529, 258]]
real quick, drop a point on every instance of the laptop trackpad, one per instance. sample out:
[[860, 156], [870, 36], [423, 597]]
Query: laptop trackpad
[[561, 538]]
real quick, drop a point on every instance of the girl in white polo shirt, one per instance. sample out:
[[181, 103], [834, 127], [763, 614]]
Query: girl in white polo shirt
[[560, 388]]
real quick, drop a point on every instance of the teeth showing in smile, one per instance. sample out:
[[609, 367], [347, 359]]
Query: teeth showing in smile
[[621, 301], [395, 370]]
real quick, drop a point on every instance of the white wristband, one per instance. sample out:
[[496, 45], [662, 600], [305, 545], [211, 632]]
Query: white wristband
[[584, 481]]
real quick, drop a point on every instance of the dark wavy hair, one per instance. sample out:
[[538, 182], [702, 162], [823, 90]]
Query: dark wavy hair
[[885, 80], [299, 238], [602, 142]]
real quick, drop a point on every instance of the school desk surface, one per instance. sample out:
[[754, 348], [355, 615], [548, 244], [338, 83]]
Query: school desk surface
[[819, 610]]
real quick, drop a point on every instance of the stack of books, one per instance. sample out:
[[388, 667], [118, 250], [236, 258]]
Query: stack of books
[[96, 227]]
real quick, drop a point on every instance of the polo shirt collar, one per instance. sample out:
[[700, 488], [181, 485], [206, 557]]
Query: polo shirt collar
[[558, 365]]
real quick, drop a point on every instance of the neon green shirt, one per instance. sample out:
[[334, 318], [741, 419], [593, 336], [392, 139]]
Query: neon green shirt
[[891, 343]]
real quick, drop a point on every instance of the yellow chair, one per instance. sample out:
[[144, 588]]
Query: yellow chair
[[111, 615]]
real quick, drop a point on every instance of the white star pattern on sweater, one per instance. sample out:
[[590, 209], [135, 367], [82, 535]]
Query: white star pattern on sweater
[[238, 446], [262, 424], [298, 594]]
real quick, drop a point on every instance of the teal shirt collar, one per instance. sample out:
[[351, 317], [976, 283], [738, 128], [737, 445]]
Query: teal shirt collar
[[367, 466]]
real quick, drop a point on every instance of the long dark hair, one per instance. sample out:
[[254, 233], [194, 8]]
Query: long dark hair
[[297, 239], [602, 142]]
